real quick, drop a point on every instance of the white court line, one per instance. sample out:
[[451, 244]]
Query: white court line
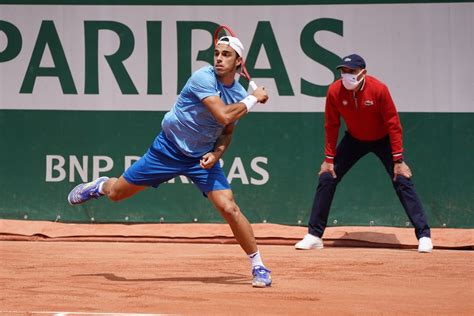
[[76, 313]]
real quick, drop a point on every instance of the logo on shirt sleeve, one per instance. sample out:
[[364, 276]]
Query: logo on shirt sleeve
[[368, 102]]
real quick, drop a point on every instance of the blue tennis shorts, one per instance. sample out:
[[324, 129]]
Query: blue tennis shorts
[[163, 161]]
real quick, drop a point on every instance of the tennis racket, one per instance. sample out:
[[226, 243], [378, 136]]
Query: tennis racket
[[224, 30]]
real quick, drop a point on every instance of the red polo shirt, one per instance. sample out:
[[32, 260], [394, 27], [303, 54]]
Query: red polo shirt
[[369, 113]]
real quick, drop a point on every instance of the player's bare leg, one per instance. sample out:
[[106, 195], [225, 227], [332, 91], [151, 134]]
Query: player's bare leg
[[223, 201], [119, 189], [115, 189]]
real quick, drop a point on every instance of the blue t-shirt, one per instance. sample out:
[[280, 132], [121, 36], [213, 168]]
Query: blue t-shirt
[[189, 125]]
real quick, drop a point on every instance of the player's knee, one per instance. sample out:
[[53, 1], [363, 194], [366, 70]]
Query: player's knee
[[229, 210]]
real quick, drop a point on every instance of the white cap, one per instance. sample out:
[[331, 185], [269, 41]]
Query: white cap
[[233, 42]]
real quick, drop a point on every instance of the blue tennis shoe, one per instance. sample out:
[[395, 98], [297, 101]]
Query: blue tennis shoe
[[261, 277], [86, 191]]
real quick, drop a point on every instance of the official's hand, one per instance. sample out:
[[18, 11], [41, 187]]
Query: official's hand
[[260, 94], [208, 160], [327, 167], [401, 169]]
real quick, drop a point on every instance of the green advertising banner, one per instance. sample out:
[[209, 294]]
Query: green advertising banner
[[83, 89], [272, 165]]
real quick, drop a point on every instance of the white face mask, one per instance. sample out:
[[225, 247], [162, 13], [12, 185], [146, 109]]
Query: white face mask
[[350, 81]]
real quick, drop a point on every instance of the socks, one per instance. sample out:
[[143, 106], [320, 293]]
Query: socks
[[256, 259], [100, 188]]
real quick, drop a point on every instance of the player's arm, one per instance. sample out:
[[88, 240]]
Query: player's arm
[[222, 143], [227, 114]]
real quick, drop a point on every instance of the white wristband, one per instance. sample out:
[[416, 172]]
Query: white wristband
[[249, 101]]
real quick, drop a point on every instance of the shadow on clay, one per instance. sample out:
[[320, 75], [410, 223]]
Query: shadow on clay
[[227, 279]]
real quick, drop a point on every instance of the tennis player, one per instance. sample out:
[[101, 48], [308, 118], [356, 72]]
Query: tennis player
[[195, 134]]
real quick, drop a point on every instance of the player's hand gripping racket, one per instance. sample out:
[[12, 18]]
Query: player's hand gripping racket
[[224, 30]]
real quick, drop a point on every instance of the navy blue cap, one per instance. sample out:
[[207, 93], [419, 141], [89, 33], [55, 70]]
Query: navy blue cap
[[352, 61]]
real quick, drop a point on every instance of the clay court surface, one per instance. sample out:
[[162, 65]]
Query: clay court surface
[[120, 272]]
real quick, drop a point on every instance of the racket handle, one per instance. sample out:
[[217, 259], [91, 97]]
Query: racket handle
[[253, 85]]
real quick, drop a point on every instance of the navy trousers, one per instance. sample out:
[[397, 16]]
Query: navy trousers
[[349, 151]]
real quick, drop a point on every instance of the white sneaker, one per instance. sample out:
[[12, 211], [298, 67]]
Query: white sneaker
[[425, 244], [309, 242]]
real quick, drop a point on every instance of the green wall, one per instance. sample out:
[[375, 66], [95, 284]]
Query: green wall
[[438, 148]]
